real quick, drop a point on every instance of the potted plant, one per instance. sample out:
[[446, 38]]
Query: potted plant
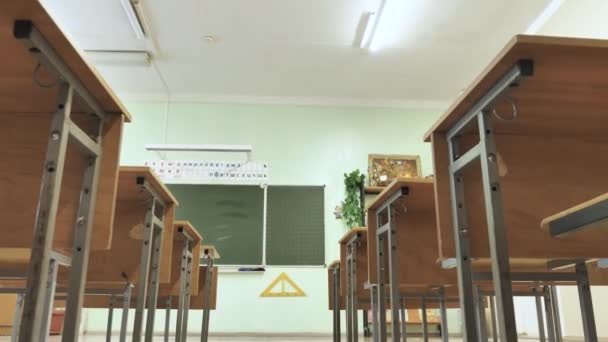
[[352, 207]]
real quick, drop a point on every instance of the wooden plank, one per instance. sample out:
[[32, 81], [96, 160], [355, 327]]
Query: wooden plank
[[18, 91], [569, 77], [579, 219], [25, 138], [537, 182], [7, 314]]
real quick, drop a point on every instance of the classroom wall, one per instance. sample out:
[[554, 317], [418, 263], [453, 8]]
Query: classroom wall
[[304, 145]]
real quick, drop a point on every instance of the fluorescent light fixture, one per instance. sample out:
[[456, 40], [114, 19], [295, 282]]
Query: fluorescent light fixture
[[371, 26], [199, 148], [544, 16], [119, 57], [129, 6]]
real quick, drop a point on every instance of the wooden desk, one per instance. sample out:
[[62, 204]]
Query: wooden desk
[[145, 212], [523, 158], [418, 274], [37, 118], [185, 249], [402, 220], [109, 267], [416, 234]]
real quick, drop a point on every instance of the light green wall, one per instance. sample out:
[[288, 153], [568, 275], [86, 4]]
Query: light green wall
[[304, 145]]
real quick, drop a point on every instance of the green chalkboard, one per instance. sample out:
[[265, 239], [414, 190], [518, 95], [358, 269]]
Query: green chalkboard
[[227, 216], [295, 225]]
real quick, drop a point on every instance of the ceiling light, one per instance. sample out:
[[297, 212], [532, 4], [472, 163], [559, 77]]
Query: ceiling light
[[209, 38], [119, 57], [199, 148], [129, 6], [544, 16], [371, 26]]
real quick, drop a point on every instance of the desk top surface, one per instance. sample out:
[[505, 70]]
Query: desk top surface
[[17, 86], [419, 188], [190, 230], [211, 250], [362, 231], [128, 189], [567, 87], [334, 264]]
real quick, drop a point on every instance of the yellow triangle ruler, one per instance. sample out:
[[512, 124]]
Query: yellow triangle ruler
[[283, 278]]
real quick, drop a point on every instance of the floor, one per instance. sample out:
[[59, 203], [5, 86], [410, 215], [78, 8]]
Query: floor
[[99, 338]]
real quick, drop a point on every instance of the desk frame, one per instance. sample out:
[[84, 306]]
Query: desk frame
[[207, 296], [485, 152], [352, 324], [335, 274], [42, 271], [149, 271], [185, 279]]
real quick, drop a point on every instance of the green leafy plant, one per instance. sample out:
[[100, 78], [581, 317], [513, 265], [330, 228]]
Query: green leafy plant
[[351, 207]]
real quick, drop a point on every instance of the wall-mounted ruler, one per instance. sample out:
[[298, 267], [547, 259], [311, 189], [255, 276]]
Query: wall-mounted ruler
[[211, 171]]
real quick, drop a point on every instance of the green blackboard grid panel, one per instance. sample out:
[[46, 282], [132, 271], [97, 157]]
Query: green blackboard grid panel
[[227, 216], [295, 225]]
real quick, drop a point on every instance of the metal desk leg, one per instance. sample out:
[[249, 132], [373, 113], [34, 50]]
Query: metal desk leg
[[144, 266], [207, 300], [444, 315], [425, 325], [462, 244], [349, 291], [187, 299], [126, 304], [182, 294], [481, 316], [584, 295], [49, 298], [492, 300], [336, 303], [393, 262], [374, 300], [48, 202], [81, 246], [17, 318], [353, 291], [366, 331], [380, 266], [556, 315], [403, 319], [153, 285], [110, 319], [485, 151], [549, 314], [499, 249], [539, 316], [167, 317]]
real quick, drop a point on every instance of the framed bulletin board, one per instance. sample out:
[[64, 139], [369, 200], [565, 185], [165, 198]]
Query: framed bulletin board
[[383, 168]]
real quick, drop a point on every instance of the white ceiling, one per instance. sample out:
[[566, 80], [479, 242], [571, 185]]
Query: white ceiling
[[301, 51]]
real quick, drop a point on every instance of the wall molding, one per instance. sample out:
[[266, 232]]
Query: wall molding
[[426, 105]]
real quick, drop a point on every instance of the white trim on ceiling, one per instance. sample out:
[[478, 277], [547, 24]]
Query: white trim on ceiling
[[429, 105]]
